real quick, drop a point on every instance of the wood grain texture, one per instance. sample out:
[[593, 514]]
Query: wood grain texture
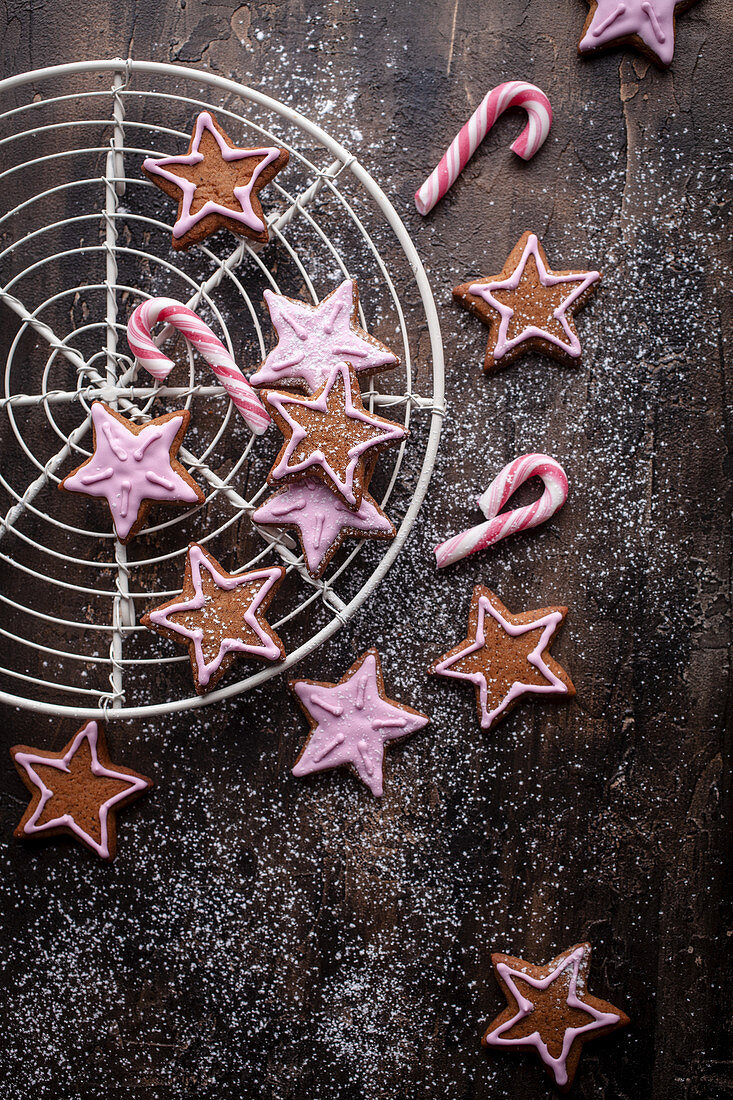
[[261, 936]]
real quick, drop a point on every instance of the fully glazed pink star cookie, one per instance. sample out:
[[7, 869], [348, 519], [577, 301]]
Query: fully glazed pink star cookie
[[649, 25], [133, 466], [312, 340], [505, 656], [216, 184], [528, 307], [219, 616], [352, 721], [550, 1011], [329, 435], [322, 520], [77, 791]]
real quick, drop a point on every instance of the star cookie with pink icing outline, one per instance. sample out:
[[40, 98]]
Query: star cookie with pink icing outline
[[528, 306], [219, 616], [647, 25], [550, 1011], [134, 466], [505, 657], [351, 722], [322, 520], [76, 791], [217, 185], [329, 436], [312, 340]]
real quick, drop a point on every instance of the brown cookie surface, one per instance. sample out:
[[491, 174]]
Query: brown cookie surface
[[329, 436], [550, 1011], [528, 306], [76, 791], [505, 656], [216, 185], [219, 616]]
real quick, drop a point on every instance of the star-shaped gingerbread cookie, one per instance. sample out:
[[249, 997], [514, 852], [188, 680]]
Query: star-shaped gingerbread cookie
[[76, 791], [322, 520], [528, 307], [216, 184], [648, 25], [329, 435], [219, 616], [505, 656], [352, 721], [550, 1011], [134, 466], [312, 340]]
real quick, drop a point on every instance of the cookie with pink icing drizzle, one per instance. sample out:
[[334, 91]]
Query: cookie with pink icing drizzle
[[528, 307], [219, 616], [647, 25], [329, 436], [312, 340], [76, 791], [550, 1011], [216, 185], [505, 656], [322, 520], [351, 722], [134, 466]]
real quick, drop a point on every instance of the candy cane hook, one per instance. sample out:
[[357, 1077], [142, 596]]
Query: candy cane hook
[[500, 524], [514, 93], [139, 337]]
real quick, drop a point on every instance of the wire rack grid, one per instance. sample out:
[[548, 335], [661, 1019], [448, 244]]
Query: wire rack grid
[[98, 120]]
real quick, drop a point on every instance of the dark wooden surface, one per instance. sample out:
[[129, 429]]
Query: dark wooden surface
[[260, 936]]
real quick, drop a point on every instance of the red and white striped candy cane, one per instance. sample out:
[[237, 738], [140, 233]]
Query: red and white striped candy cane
[[500, 524], [514, 93], [168, 310]]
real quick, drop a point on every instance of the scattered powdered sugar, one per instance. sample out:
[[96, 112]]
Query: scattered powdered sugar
[[262, 936]]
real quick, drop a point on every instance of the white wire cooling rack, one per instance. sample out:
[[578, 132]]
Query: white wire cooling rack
[[85, 238]]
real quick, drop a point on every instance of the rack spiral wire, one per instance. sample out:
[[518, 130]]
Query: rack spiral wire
[[33, 536]]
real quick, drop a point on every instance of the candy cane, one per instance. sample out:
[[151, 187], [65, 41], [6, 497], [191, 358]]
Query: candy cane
[[139, 337], [500, 524], [515, 93]]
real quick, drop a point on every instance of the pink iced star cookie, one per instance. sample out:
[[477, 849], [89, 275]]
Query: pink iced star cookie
[[219, 616], [649, 25], [133, 466], [312, 340], [77, 791], [322, 520], [550, 1011], [216, 184], [352, 721]]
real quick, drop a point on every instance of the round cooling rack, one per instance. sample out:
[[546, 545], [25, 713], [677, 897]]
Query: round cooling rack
[[85, 238]]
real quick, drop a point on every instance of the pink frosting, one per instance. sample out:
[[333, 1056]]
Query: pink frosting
[[549, 624], [242, 194], [266, 649], [354, 723], [29, 761], [558, 1065], [128, 469], [389, 432], [320, 517], [650, 20], [582, 281], [312, 340]]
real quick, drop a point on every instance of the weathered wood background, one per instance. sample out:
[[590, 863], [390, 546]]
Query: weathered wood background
[[260, 936]]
